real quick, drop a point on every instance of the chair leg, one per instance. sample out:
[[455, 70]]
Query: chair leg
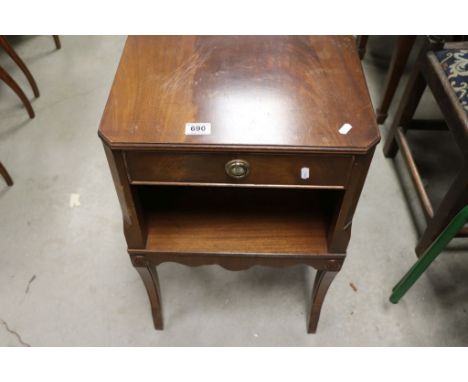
[[429, 255], [455, 199], [15, 87], [150, 278], [362, 45], [400, 56], [14, 56], [410, 100], [322, 282], [58, 44], [6, 176]]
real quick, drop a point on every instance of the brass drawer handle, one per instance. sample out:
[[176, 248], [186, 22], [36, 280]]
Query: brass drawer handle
[[237, 168]]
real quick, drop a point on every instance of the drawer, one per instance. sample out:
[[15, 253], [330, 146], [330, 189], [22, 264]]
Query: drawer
[[238, 168]]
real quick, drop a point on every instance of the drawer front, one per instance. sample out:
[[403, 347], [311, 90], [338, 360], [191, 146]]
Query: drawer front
[[244, 168]]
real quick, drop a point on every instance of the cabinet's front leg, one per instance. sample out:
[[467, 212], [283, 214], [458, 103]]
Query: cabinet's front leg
[[323, 279], [149, 276]]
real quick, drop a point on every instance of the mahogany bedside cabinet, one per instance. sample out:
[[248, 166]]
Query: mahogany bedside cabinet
[[239, 151]]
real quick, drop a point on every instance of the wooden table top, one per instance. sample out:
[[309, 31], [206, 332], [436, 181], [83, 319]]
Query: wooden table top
[[257, 92]]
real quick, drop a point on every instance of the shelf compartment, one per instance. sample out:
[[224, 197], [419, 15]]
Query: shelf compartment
[[209, 220]]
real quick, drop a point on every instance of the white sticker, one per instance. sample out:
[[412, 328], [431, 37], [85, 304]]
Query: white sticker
[[74, 200], [305, 173], [345, 129], [198, 128]]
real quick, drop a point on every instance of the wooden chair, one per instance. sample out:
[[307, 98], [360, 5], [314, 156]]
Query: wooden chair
[[400, 55], [401, 52], [403, 48], [9, 80], [5, 77], [5, 175], [442, 67], [14, 56], [429, 256]]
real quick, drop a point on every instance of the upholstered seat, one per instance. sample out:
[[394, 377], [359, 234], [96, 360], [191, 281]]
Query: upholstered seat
[[455, 65]]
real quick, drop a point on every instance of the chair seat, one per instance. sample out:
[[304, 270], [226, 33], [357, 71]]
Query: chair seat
[[455, 65]]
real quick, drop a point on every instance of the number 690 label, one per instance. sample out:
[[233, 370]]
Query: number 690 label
[[198, 128]]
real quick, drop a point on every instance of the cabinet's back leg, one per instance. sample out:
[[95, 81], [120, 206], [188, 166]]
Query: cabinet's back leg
[[57, 42], [361, 45]]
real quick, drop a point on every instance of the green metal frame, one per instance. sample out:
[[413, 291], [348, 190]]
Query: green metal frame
[[429, 256]]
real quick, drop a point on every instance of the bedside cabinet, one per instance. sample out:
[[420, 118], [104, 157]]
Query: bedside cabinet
[[239, 151]]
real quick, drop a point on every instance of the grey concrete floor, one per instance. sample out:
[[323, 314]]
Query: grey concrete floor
[[84, 290]]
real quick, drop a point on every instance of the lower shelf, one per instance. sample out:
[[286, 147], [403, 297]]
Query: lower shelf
[[212, 220]]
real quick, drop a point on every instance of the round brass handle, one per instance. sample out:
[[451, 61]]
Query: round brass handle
[[237, 168]]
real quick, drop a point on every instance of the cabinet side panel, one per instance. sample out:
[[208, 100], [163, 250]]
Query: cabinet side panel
[[340, 228], [133, 221]]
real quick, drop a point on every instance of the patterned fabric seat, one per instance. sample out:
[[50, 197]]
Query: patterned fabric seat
[[455, 65]]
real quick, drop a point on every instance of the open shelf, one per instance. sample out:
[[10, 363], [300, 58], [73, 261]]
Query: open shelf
[[212, 220]]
